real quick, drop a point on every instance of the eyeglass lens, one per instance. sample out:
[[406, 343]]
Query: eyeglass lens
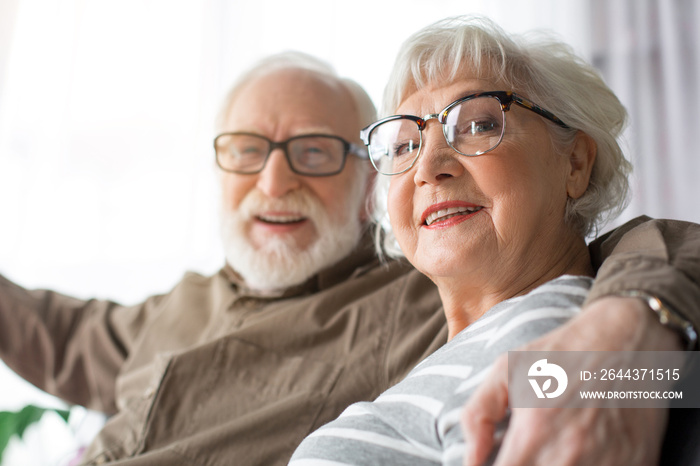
[[472, 127], [247, 153]]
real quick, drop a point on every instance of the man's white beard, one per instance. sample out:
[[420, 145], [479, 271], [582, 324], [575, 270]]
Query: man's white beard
[[280, 263]]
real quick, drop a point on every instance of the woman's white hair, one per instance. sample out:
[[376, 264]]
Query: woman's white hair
[[537, 66]]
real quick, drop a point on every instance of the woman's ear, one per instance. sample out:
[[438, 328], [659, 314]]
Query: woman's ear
[[582, 158]]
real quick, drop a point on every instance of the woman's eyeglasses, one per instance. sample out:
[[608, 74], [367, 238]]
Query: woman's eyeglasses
[[472, 125]]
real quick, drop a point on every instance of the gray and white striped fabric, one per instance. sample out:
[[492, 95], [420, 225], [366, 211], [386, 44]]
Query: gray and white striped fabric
[[416, 422]]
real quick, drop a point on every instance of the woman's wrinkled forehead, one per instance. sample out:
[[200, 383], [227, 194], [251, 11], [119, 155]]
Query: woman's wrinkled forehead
[[464, 80], [483, 69]]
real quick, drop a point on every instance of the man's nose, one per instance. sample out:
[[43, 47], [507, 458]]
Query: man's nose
[[277, 178]]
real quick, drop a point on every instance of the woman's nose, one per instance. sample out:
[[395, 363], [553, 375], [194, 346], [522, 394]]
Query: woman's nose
[[277, 178], [437, 159]]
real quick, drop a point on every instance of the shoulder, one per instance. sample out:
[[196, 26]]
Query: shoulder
[[196, 280], [194, 289]]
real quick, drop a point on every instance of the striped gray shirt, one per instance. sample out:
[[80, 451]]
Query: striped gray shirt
[[416, 421]]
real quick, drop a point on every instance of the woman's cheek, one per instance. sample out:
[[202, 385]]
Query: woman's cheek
[[400, 207]]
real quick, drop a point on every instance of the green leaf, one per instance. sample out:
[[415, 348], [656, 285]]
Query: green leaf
[[16, 422]]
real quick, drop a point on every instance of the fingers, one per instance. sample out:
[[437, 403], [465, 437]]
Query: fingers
[[485, 408], [542, 436], [583, 437]]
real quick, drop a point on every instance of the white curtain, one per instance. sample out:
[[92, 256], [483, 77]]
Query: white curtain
[[106, 170], [649, 52]]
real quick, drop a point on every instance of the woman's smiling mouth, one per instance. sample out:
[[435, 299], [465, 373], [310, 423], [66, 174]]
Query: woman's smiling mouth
[[448, 213]]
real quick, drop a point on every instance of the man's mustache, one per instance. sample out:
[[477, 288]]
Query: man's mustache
[[300, 202]]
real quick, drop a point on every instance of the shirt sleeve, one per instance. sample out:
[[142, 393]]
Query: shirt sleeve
[[661, 257], [68, 347]]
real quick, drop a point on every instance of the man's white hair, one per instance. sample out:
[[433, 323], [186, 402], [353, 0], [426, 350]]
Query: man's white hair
[[298, 60]]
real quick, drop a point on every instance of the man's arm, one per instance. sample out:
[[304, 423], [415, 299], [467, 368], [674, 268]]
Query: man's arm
[[660, 257], [68, 347]]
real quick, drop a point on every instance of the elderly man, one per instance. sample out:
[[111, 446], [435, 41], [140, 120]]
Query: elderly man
[[303, 320]]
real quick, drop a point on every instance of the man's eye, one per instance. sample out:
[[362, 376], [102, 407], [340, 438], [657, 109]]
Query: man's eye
[[312, 156], [247, 151]]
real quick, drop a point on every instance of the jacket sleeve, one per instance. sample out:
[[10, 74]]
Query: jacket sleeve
[[661, 257], [68, 347]]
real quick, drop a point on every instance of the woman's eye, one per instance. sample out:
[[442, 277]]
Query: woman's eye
[[478, 127], [403, 148]]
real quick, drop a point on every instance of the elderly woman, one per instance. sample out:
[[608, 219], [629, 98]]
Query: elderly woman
[[499, 158]]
